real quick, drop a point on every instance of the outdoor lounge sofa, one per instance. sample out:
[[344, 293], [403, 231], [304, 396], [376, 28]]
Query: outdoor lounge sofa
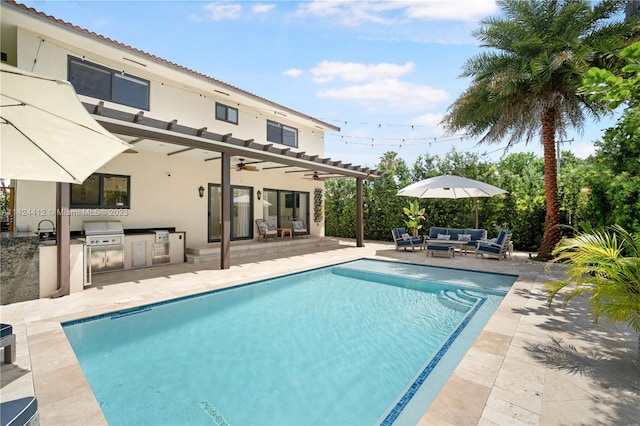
[[497, 249], [471, 236], [299, 228], [404, 240], [8, 340], [265, 230]]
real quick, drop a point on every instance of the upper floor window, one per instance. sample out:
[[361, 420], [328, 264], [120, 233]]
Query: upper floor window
[[280, 133], [107, 84], [226, 113], [102, 191]]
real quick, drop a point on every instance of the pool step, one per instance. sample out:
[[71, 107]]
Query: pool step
[[460, 300]]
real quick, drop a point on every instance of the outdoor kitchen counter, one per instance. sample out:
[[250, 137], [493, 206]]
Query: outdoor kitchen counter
[[21, 258]]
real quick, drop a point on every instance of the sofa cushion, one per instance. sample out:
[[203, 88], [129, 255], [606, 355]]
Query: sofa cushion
[[476, 234], [434, 231], [5, 330], [443, 237], [454, 232], [464, 237]]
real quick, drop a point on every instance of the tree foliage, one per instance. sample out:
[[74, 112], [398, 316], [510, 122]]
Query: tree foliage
[[606, 266], [526, 83]]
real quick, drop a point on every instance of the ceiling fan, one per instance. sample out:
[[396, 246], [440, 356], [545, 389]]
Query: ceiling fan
[[314, 176], [242, 166]]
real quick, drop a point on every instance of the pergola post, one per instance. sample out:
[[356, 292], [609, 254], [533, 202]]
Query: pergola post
[[359, 213], [63, 239], [225, 237]]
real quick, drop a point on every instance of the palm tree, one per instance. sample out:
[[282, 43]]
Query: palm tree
[[607, 266], [527, 83]]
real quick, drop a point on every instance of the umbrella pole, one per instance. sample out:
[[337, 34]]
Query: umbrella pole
[[475, 201]]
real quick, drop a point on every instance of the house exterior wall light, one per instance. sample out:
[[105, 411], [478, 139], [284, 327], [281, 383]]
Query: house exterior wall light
[[201, 191], [259, 194]]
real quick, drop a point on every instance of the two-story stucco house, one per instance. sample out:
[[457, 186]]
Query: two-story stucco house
[[207, 158]]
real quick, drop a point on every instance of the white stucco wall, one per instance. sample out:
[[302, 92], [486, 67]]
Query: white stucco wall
[[157, 199], [164, 193]]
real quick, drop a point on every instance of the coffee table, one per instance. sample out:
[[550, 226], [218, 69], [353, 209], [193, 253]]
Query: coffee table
[[285, 231]]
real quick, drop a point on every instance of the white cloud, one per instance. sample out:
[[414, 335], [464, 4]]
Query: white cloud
[[262, 8], [355, 13], [223, 10], [454, 10], [429, 120], [327, 71], [389, 93], [293, 72]]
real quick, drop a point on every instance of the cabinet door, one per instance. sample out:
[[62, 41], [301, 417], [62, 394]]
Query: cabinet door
[[98, 258]]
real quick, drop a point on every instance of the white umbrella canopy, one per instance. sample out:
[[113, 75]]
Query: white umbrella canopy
[[45, 132], [451, 186]]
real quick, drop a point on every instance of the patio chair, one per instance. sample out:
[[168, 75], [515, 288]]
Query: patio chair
[[404, 240], [20, 412], [265, 230], [8, 342], [299, 228], [497, 249]]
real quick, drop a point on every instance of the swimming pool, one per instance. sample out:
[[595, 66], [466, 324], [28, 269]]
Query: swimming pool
[[356, 343]]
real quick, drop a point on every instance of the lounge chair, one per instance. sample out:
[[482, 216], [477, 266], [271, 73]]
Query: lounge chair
[[299, 228], [8, 342], [20, 412], [265, 230], [404, 240], [497, 249]]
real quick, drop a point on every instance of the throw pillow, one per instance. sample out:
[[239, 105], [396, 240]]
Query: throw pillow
[[444, 237], [406, 237], [464, 237]]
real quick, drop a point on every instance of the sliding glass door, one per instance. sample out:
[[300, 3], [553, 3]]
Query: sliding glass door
[[241, 213], [282, 207]]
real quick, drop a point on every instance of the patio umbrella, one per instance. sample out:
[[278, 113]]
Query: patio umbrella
[[451, 186], [46, 134]]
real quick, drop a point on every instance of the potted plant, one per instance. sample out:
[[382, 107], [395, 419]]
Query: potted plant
[[415, 215]]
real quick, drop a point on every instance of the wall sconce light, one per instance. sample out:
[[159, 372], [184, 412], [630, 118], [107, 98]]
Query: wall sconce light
[[201, 191], [259, 194]]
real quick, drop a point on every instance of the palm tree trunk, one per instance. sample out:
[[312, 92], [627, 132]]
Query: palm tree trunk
[[552, 218]]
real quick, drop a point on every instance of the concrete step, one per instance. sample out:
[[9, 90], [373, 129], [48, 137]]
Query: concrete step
[[243, 250]]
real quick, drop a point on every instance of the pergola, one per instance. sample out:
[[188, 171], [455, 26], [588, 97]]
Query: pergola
[[136, 128]]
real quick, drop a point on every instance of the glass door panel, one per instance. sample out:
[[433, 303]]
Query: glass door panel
[[286, 209], [270, 208], [215, 212], [302, 207], [242, 217]]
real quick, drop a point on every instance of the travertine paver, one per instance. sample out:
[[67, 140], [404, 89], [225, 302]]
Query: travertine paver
[[530, 365]]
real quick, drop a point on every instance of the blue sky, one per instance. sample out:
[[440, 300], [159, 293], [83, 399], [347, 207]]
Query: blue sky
[[383, 71]]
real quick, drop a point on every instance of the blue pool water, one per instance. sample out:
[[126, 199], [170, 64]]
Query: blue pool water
[[361, 342]]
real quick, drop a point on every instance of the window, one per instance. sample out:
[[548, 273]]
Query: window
[[107, 84], [226, 113], [102, 191], [279, 133]]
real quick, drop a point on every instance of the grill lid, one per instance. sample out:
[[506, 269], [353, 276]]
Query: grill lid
[[105, 227]]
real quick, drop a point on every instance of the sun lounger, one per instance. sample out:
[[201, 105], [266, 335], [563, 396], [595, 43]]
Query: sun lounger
[[20, 412]]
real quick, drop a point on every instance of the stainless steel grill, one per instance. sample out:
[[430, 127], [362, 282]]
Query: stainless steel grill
[[104, 233], [105, 247]]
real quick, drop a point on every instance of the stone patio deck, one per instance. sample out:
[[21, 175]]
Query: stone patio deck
[[530, 365]]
